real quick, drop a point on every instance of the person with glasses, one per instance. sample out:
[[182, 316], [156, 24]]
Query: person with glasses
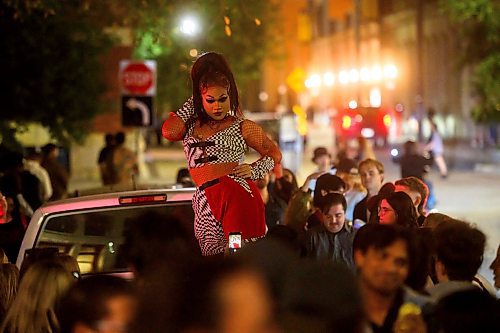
[[397, 208]]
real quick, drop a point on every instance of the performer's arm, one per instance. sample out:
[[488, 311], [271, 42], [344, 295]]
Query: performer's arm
[[174, 128], [256, 138]]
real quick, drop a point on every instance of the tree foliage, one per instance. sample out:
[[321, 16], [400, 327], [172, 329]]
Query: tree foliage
[[50, 52], [481, 40], [51, 71], [241, 30]]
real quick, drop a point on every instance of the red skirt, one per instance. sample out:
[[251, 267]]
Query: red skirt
[[227, 205]]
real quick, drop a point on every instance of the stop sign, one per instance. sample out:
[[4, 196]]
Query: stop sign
[[138, 78]]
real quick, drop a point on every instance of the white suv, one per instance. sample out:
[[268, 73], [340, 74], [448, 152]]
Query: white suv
[[91, 228]]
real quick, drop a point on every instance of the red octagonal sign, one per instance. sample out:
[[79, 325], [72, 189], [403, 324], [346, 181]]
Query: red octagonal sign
[[138, 78]]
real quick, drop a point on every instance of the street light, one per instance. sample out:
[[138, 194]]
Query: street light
[[189, 26]]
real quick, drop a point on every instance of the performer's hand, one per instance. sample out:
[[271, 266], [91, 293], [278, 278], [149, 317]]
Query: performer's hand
[[243, 170]]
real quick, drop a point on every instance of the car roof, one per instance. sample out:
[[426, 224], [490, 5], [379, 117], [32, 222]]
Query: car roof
[[101, 201], [113, 199]]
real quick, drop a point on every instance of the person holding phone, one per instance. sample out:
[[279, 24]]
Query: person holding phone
[[215, 137]]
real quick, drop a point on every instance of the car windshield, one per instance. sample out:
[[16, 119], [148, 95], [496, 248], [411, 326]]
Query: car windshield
[[95, 237]]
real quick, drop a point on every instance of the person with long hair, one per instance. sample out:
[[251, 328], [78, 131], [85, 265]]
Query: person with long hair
[[215, 138], [9, 276], [33, 309], [397, 208]]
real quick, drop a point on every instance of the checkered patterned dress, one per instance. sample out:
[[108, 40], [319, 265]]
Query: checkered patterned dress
[[233, 204]]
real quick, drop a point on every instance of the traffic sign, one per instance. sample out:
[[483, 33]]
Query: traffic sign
[[138, 77], [137, 111]]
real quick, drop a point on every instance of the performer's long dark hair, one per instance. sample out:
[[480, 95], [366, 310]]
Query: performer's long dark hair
[[212, 69]]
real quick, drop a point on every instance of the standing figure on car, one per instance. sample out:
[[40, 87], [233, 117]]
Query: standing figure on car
[[215, 137]]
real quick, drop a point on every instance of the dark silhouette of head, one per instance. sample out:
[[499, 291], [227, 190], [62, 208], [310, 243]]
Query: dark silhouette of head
[[120, 138], [460, 248], [327, 183]]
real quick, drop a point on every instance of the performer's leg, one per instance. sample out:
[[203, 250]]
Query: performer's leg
[[207, 229]]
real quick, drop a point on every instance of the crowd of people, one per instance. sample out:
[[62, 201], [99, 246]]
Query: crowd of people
[[345, 251], [382, 277], [26, 182]]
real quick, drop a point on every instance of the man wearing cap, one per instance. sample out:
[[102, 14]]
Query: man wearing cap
[[323, 159]]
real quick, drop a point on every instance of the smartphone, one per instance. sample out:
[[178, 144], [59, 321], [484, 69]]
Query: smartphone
[[358, 224], [234, 242]]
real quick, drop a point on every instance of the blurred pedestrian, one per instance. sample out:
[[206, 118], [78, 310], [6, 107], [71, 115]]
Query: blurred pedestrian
[[323, 160], [298, 211], [33, 309], [495, 267], [459, 254], [273, 205], [11, 227], [32, 164], [212, 295], [9, 278], [215, 137], [184, 178], [436, 148], [99, 303], [468, 311], [162, 241], [286, 186], [59, 176], [123, 162], [20, 184], [319, 297], [384, 255], [104, 160], [418, 192], [413, 163], [355, 192]]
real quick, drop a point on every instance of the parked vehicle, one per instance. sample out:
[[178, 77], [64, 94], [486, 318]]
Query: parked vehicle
[[368, 122], [91, 228]]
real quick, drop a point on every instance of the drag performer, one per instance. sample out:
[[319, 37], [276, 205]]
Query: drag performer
[[215, 138]]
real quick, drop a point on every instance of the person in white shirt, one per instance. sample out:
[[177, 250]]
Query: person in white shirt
[[32, 164]]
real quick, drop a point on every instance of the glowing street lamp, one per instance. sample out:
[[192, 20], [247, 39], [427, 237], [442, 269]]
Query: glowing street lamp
[[189, 26], [390, 71], [328, 79], [313, 81], [344, 77]]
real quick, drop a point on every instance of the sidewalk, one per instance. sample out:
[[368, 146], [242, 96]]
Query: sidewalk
[[462, 156]]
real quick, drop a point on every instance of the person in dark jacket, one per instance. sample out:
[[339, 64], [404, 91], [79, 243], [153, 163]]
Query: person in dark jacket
[[413, 164], [325, 184], [333, 238]]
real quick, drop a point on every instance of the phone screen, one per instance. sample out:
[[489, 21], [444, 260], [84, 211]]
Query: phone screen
[[234, 241]]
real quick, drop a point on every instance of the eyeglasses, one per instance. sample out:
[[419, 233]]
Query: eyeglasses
[[384, 210]]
